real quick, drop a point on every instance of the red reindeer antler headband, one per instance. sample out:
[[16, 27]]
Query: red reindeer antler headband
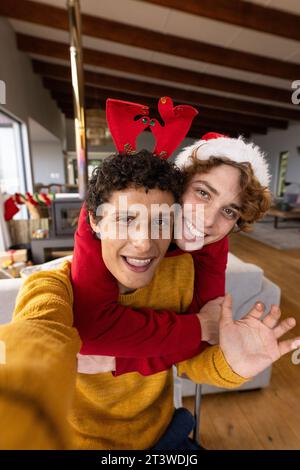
[[127, 120]]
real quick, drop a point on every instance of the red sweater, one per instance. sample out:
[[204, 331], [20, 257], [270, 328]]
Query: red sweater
[[146, 341]]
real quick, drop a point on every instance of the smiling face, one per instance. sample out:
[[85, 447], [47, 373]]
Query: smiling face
[[132, 256], [219, 192]]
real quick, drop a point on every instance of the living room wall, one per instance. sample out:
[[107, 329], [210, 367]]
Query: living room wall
[[276, 142], [25, 95], [47, 155], [48, 163]]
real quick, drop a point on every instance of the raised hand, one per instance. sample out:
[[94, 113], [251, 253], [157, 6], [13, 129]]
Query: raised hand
[[251, 344]]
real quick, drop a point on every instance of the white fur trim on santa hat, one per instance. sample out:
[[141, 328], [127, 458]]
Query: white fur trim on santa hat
[[234, 149]]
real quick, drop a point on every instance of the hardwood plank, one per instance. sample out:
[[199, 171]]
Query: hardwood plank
[[222, 421]]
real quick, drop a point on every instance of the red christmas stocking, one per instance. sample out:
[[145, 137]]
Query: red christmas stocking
[[10, 208], [30, 198]]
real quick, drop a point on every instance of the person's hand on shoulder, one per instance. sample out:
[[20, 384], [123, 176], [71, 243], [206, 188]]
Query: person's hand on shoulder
[[209, 317]]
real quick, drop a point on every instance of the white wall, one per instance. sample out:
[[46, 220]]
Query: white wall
[[27, 100], [25, 95], [276, 142], [48, 162]]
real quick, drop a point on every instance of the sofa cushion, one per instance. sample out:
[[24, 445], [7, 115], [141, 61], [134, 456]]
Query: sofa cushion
[[9, 289], [243, 280], [54, 264]]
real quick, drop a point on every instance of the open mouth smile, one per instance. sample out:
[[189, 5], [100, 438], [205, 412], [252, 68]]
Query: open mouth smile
[[191, 229], [137, 264]]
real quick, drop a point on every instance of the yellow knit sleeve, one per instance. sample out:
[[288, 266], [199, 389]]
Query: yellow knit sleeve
[[210, 367], [46, 295], [38, 373]]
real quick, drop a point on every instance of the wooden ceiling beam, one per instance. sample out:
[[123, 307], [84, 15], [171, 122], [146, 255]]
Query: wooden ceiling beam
[[57, 86], [203, 80], [240, 13], [101, 80], [195, 132], [203, 98], [214, 124], [92, 57], [101, 28]]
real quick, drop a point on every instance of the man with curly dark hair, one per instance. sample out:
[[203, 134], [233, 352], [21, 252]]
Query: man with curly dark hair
[[140, 170], [143, 182]]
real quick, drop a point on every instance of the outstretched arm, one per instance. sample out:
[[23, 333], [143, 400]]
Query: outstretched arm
[[38, 379]]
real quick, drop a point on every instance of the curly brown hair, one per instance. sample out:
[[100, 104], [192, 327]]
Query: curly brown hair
[[256, 199], [140, 170]]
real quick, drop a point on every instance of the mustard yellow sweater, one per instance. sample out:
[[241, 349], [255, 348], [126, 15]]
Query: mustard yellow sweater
[[37, 385], [38, 380]]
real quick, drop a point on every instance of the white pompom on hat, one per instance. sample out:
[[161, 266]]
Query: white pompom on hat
[[237, 150]]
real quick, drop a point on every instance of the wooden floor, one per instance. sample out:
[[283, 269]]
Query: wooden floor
[[269, 418]]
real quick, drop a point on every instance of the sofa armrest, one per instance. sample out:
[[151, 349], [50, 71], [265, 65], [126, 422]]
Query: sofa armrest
[[269, 294], [9, 289]]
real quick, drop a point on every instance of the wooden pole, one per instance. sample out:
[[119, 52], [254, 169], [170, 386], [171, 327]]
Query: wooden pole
[[78, 93]]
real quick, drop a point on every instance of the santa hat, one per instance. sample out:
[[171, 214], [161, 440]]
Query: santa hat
[[237, 150]]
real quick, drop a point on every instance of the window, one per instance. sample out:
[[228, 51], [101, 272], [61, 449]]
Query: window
[[282, 169], [12, 175]]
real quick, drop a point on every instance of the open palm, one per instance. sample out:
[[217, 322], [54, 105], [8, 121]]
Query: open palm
[[251, 344]]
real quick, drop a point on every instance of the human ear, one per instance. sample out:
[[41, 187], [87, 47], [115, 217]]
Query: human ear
[[234, 229], [93, 223]]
